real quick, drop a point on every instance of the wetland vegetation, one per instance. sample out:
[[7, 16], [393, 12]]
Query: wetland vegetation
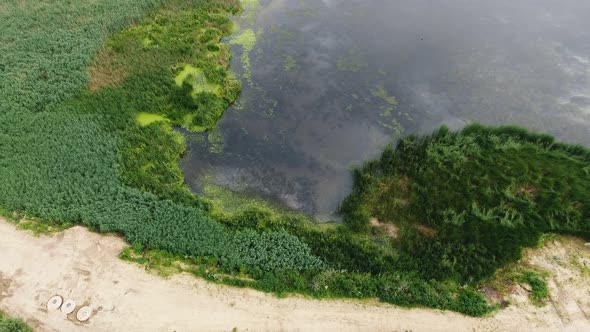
[[88, 138]]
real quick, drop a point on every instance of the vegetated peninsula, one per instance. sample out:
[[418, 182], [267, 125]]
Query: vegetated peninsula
[[87, 138]]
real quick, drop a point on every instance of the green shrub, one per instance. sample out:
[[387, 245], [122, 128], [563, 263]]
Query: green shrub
[[539, 292], [468, 202], [13, 325]]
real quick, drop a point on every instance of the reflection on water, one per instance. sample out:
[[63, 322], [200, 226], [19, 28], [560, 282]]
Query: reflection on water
[[326, 84]]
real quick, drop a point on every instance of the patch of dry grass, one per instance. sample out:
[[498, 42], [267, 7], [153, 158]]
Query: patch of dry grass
[[104, 72]]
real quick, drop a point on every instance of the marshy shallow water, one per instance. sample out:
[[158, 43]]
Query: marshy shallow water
[[327, 84]]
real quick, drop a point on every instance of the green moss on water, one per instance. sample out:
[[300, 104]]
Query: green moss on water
[[216, 141], [282, 36], [246, 39], [226, 203], [250, 4], [389, 114], [290, 64], [251, 8], [389, 121], [353, 62], [380, 92]]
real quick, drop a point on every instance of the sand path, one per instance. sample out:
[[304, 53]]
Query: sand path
[[83, 266]]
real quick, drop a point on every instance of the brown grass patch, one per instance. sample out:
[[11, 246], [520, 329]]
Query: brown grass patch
[[527, 191], [426, 231], [5, 284], [104, 73], [404, 184], [389, 228]]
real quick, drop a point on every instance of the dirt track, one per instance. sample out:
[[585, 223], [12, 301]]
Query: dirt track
[[84, 266]]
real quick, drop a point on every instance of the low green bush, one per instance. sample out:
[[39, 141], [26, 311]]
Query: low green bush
[[539, 292], [8, 324]]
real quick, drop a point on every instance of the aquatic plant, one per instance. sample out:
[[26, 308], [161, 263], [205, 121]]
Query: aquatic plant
[[290, 64], [352, 62], [246, 39]]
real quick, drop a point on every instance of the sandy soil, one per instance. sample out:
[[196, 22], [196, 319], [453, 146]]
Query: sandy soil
[[83, 266]]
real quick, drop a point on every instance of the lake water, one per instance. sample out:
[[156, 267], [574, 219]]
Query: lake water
[[328, 83]]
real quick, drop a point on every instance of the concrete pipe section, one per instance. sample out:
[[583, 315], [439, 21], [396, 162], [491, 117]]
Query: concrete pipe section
[[54, 302], [68, 307], [83, 314]]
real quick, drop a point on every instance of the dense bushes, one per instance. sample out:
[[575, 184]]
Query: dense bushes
[[467, 202]]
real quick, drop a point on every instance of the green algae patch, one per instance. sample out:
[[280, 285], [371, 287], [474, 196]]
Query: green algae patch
[[352, 62], [228, 202], [250, 10], [250, 4], [232, 208], [195, 77], [388, 116], [389, 122], [216, 141], [145, 119], [379, 91], [283, 36], [246, 39], [290, 64]]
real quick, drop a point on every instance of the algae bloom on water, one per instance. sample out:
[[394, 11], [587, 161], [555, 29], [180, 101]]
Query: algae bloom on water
[[246, 39]]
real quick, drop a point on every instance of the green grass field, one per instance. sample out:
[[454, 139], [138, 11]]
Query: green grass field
[[90, 93]]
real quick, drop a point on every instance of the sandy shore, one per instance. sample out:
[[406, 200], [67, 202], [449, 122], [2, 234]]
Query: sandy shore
[[81, 265]]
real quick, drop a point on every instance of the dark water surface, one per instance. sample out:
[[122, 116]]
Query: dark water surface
[[329, 83]]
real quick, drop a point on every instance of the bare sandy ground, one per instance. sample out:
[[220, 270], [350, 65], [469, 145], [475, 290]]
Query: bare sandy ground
[[83, 266]]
